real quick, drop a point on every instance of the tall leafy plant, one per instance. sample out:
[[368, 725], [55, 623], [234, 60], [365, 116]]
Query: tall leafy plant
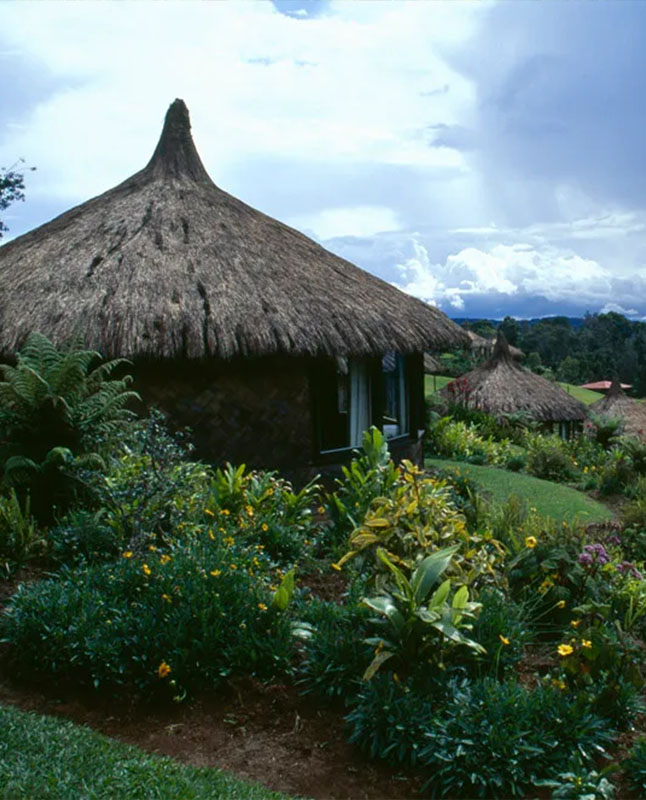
[[56, 405]]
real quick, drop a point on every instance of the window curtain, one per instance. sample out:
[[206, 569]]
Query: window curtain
[[359, 401]]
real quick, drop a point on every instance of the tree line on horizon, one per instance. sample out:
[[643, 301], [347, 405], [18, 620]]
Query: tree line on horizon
[[596, 347]]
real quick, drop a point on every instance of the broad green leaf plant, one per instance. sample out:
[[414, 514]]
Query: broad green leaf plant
[[416, 619]]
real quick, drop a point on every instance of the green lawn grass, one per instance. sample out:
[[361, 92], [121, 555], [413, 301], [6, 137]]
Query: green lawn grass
[[44, 757], [586, 396], [550, 499], [433, 383]]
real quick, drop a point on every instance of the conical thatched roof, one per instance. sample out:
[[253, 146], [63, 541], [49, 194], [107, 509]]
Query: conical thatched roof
[[617, 405], [167, 264], [501, 386], [482, 346]]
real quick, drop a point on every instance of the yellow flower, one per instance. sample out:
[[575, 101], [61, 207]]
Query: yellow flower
[[586, 643], [163, 670], [215, 572], [565, 650], [166, 597], [321, 510], [152, 548], [337, 567], [209, 512], [575, 623], [264, 526], [127, 554], [165, 559], [146, 569], [270, 492], [530, 542], [560, 604], [229, 540], [233, 566], [211, 536], [249, 510], [262, 606], [559, 684], [225, 511], [503, 639]]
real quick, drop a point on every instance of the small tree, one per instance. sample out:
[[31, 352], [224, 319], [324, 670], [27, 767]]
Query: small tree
[[12, 188]]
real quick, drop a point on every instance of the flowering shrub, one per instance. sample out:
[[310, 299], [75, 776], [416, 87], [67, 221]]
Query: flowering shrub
[[263, 508], [161, 624]]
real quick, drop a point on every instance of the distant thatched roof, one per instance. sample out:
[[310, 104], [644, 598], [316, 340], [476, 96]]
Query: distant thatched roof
[[485, 347], [167, 264], [617, 405], [501, 386]]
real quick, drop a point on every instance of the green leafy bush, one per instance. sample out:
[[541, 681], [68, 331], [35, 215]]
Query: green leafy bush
[[83, 536], [334, 655], [179, 620], [475, 739], [463, 441], [265, 509], [634, 766], [20, 538], [503, 628], [547, 458], [55, 408], [371, 474]]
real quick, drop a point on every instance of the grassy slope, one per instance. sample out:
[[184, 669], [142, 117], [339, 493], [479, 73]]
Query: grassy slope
[[550, 499], [45, 757], [433, 383], [586, 396]]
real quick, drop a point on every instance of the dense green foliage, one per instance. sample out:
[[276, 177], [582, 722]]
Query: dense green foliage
[[474, 627]]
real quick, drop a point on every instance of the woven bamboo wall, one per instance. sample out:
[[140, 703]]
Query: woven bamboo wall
[[251, 411]]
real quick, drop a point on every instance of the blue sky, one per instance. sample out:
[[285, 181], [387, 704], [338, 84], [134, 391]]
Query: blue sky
[[487, 157]]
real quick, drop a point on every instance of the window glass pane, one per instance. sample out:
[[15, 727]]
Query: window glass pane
[[342, 399], [395, 416]]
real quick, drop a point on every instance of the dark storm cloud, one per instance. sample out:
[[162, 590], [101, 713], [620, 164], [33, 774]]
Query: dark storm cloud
[[562, 96]]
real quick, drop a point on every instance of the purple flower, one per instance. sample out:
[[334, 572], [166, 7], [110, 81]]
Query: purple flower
[[585, 559], [629, 567], [613, 539]]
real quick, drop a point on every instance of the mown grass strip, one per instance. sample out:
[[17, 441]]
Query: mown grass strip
[[44, 757], [586, 396], [561, 503]]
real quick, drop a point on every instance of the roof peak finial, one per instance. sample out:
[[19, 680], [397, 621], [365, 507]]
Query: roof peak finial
[[175, 154]]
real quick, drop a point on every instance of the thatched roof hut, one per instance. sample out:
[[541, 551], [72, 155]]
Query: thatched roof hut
[[483, 347], [236, 322], [502, 386], [617, 405], [167, 264]]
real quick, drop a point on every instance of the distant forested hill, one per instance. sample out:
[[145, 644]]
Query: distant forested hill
[[577, 350]]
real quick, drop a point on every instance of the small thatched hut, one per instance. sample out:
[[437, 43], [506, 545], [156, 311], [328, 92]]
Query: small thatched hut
[[617, 405], [275, 351], [483, 348], [502, 386]]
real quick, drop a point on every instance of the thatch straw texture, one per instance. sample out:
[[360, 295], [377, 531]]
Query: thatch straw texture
[[167, 264], [485, 347], [501, 386], [618, 406]]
